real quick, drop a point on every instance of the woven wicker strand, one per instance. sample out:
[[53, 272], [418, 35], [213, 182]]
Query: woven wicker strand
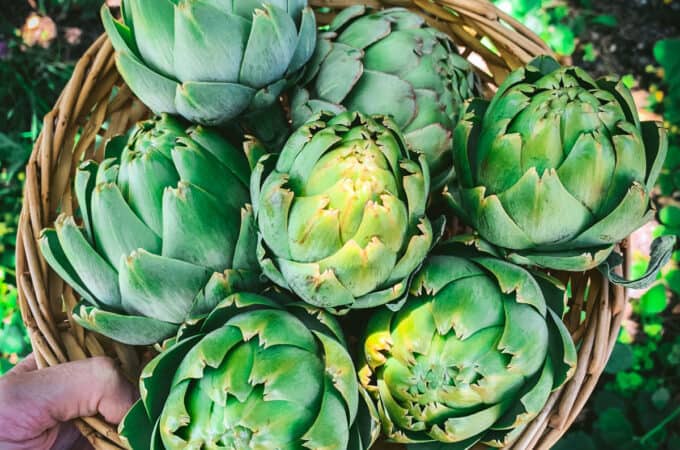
[[96, 105]]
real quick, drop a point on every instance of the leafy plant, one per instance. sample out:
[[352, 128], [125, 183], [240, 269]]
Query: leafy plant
[[666, 53], [33, 77], [559, 22], [552, 21], [667, 100], [85, 9], [636, 404], [14, 342]]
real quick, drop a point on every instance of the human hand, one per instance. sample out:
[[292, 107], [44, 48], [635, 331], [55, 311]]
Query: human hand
[[37, 405]]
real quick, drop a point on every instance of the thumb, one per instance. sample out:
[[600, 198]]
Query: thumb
[[75, 389]]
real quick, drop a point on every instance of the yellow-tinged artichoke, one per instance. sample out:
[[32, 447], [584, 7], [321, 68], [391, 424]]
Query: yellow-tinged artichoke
[[471, 357], [341, 213]]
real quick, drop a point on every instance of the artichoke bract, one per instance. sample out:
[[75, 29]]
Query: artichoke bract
[[390, 62], [164, 220], [557, 168], [252, 375], [472, 356], [210, 61], [341, 213]]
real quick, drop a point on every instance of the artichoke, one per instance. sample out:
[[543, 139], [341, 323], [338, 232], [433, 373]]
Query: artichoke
[[341, 213], [390, 62], [210, 61], [164, 216], [557, 168], [252, 375], [471, 357]]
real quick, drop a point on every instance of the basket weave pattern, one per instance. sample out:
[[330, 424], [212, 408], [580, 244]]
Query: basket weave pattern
[[96, 105]]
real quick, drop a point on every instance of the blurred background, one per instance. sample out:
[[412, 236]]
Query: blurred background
[[636, 405]]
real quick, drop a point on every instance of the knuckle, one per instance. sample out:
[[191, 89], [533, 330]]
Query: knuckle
[[103, 364], [105, 368]]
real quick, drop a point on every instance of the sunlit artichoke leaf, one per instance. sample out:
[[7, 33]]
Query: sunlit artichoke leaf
[[131, 330]]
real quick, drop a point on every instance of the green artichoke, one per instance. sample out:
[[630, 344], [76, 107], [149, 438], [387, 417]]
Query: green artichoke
[[471, 357], [162, 219], [252, 375], [557, 168], [341, 213], [390, 62], [210, 61]]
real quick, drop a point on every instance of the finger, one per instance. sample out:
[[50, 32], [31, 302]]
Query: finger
[[43, 441], [66, 391], [91, 386], [28, 364], [64, 436]]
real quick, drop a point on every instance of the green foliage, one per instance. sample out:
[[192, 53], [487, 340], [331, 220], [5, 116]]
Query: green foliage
[[628, 80], [552, 21], [577, 440], [84, 8], [667, 54], [32, 78], [636, 404], [589, 52], [559, 23], [667, 101], [653, 301], [14, 342]]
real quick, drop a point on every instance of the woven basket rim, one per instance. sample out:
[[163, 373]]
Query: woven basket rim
[[96, 93]]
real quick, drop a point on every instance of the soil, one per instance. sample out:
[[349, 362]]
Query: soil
[[627, 48]]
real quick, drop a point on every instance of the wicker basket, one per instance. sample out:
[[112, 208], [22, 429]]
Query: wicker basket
[[96, 105]]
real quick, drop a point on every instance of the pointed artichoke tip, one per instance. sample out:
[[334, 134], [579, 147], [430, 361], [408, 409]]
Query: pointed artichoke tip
[[422, 226], [43, 233], [322, 277], [180, 191], [134, 255], [265, 10], [61, 219], [396, 288], [246, 209], [101, 187], [86, 316]]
